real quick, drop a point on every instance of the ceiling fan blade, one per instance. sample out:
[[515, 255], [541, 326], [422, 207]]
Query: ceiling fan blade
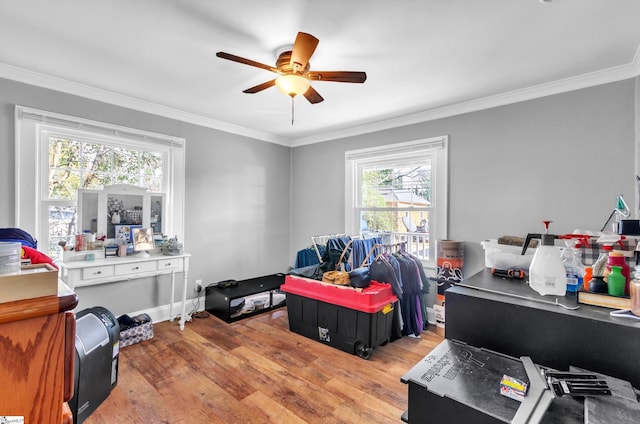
[[244, 61], [260, 87], [338, 76], [312, 95], [303, 48]]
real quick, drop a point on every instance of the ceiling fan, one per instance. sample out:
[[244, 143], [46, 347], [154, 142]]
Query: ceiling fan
[[294, 71]]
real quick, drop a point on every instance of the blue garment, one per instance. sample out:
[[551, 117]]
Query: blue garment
[[409, 315], [361, 249], [308, 256], [411, 281], [334, 252]]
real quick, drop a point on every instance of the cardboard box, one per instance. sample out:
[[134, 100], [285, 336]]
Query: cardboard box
[[33, 281], [513, 388]]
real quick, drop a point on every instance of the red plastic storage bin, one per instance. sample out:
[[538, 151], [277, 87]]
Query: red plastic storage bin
[[353, 320]]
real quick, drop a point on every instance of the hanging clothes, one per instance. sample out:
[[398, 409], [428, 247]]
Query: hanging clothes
[[335, 247], [361, 248], [424, 290], [385, 269], [411, 291], [308, 256]]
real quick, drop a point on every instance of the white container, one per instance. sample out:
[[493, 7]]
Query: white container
[[502, 256], [547, 274], [10, 254]]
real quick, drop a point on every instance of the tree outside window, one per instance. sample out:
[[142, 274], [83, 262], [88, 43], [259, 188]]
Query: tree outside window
[[75, 164]]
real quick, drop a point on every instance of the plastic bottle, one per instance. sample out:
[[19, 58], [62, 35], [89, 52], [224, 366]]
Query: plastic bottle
[[616, 281], [573, 268], [617, 258], [600, 263], [547, 274], [588, 275], [634, 292], [597, 285]]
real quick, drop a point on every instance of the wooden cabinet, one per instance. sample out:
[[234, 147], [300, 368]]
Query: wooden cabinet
[[37, 347], [102, 211]]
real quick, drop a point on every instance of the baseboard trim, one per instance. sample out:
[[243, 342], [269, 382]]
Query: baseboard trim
[[163, 312]]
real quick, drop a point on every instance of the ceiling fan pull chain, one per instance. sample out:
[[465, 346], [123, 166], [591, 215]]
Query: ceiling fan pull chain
[[292, 113]]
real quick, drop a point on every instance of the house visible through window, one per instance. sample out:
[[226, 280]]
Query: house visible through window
[[398, 192], [57, 155]]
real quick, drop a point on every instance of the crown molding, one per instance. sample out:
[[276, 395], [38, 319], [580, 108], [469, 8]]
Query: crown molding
[[59, 84], [609, 75]]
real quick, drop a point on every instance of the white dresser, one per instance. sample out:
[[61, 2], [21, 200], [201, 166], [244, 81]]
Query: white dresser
[[81, 273]]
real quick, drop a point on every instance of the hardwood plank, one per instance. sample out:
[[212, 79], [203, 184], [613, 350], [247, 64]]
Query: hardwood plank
[[257, 371]]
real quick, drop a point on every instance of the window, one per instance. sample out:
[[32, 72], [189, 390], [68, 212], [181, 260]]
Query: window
[[56, 155], [399, 192]]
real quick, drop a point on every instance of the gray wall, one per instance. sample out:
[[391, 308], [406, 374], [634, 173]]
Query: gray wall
[[564, 157], [251, 205], [237, 196]]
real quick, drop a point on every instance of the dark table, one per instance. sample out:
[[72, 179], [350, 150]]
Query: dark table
[[507, 316], [459, 383]]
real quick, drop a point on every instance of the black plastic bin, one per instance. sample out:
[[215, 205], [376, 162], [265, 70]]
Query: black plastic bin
[[354, 321]]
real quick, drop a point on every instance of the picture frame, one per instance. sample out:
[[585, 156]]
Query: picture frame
[[124, 233], [142, 239]]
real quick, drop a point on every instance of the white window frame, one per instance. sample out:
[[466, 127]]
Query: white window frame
[[437, 148], [33, 128]]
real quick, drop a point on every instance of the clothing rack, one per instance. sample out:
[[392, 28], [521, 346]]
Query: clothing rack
[[394, 247], [323, 238]]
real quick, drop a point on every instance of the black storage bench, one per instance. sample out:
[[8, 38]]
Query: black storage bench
[[234, 300]]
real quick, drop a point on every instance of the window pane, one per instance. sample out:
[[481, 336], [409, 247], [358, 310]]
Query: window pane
[[396, 185], [153, 184], [64, 168], [379, 221], [63, 184], [64, 153], [126, 162], [75, 164], [96, 164], [62, 227]]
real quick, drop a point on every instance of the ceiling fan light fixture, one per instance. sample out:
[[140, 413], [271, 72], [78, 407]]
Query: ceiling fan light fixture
[[292, 85]]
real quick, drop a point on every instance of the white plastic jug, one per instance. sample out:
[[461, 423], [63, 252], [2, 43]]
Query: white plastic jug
[[547, 274]]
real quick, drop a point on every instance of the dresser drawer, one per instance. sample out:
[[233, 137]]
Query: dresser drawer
[[135, 268], [172, 264], [97, 272]]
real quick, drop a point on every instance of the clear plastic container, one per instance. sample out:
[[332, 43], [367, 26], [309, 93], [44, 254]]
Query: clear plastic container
[[573, 268], [10, 257]]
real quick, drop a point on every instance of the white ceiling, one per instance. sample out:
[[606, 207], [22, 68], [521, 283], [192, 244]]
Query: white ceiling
[[423, 58]]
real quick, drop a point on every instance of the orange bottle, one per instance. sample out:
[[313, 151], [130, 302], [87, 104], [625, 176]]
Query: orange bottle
[[588, 275]]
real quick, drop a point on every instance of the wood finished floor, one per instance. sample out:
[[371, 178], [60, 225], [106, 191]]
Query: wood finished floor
[[257, 371]]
